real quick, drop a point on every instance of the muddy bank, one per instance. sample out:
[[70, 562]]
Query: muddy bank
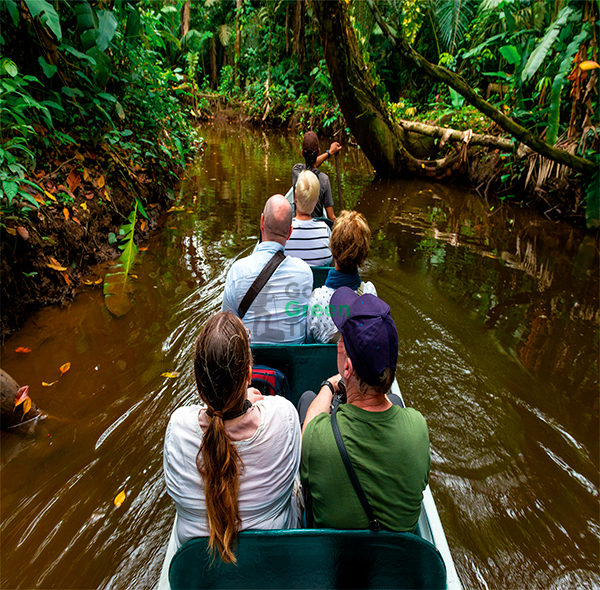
[[47, 253]]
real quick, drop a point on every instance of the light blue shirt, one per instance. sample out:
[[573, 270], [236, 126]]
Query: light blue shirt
[[278, 314]]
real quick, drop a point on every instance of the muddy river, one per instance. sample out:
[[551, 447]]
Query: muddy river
[[497, 313]]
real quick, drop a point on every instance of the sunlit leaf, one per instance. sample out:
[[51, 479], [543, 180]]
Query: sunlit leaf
[[22, 349], [171, 375], [83, 206], [23, 232], [50, 196], [44, 384], [64, 368], [176, 209], [588, 65], [101, 182], [55, 265], [12, 231], [120, 498], [66, 213], [106, 195], [22, 395]]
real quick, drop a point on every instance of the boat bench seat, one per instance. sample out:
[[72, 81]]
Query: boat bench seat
[[312, 558]]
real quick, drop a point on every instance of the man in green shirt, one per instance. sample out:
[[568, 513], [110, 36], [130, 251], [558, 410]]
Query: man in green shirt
[[388, 445]]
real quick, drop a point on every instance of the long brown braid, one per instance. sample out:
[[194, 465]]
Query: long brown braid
[[221, 362]]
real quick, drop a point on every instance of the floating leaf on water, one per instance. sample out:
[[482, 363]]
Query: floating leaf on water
[[22, 349], [26, 406], [64, 368], [171, 375], [120, 498], [22, 395], [44, 384]]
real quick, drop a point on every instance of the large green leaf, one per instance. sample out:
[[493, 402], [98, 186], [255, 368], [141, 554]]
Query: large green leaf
[[557, 85], [48, 15], [107, 27], [545, 45]]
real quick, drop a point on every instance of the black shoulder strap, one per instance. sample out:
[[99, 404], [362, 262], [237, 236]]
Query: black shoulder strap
[[373, 522], [260, 281]]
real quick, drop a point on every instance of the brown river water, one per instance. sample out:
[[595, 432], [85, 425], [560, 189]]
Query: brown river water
[[497, 314]]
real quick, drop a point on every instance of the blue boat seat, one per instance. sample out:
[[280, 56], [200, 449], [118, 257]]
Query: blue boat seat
[[312, 558]]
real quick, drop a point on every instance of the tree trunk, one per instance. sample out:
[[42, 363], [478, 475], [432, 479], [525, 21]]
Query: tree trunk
[[238, 42], [298, 32], [185, 18], [213, 64], [380, 139]]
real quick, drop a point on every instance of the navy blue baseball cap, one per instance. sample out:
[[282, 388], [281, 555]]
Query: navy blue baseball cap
[[369, 332]]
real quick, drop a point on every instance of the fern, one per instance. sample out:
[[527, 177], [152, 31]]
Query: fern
[[117, 285]]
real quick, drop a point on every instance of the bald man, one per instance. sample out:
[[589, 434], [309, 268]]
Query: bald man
[[278, 313]]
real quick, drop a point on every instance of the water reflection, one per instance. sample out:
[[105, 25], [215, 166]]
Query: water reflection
[[497, 313]]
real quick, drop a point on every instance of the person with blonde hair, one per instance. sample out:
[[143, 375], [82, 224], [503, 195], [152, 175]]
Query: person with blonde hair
[[310, 237], [231, 462], [349, 244]]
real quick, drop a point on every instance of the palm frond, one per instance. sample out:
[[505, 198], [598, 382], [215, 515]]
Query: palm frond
[[453, 18]]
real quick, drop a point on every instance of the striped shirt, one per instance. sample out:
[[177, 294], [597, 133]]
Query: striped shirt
[[310, 241]]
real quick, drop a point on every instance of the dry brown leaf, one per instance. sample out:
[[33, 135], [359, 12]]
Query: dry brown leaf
[[79, 156], [86, 175], [89, 196], [23, 232], [101, 182], [26, 406], [12, 231], [21, 395], [66, 213], [106, 195], [143, 225], [143, 249], [76, 220], [74, 179], [50, 196], [66, 277]]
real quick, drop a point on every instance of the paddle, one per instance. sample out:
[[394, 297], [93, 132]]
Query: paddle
[[337, 173]]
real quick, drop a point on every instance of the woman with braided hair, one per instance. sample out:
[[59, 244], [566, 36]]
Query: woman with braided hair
[[230, 463]]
